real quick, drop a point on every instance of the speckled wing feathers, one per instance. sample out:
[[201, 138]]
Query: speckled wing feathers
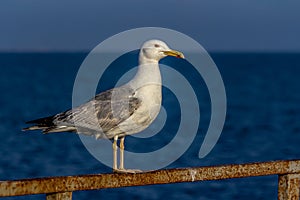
[[96, 117]]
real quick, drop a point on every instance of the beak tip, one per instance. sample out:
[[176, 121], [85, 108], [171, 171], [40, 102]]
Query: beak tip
[[174, 53], [180, 55]]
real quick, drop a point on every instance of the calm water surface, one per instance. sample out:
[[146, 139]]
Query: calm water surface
[[262, 124]]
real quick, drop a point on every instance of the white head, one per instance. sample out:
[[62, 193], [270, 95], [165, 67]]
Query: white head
[[154, 50]]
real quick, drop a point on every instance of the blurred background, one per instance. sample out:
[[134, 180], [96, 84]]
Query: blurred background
[[255, 45]]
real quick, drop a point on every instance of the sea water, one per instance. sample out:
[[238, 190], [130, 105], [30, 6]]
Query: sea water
[[262, 122]]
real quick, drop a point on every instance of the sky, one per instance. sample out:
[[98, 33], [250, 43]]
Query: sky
[[218, 25]]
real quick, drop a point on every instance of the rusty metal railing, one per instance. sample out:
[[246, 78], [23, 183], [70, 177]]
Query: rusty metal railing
[[61, 188]]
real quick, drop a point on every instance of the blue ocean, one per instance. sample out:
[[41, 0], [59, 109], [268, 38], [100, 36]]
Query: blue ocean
[[262, 123]]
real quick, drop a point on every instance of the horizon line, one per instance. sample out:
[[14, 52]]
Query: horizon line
[[88, 51]]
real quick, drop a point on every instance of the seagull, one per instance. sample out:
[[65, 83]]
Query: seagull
[[120, 111]]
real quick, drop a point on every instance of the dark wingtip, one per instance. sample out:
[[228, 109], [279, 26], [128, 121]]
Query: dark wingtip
[[39, 124], [42, 121]]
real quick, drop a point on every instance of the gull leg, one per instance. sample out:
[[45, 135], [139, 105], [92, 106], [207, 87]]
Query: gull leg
[[121, 167], [115, 153], [122, 153]]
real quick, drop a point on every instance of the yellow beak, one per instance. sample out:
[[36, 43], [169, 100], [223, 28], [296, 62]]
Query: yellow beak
[[174, 53]]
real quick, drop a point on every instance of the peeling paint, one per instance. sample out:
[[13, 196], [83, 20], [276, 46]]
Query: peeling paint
[[193, 174]]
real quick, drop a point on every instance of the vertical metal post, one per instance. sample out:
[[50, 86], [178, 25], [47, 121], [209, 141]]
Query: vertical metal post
[[59, 196], [288, 187]]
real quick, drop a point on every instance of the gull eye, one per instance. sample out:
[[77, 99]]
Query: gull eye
[[156, 45]]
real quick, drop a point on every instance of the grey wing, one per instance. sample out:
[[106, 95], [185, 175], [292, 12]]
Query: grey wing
[[102, 114]]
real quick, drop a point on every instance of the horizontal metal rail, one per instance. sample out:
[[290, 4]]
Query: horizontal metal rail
[[62, 187]]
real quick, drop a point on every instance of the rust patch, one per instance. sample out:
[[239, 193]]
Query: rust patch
[[99, 181], [288, 187]]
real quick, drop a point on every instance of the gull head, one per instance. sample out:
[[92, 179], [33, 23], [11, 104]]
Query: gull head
[[154, 50]]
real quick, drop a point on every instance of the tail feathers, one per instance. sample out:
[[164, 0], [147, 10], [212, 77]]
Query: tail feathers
[[35, 127], [55, 129], [47, 126]]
